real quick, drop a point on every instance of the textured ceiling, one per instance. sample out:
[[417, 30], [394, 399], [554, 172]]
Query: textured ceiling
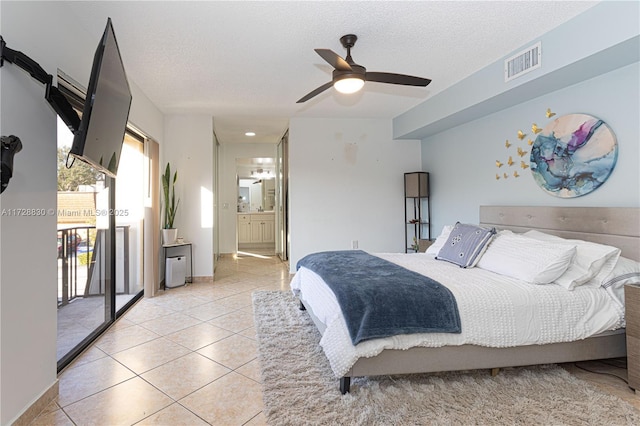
[[247, 63]]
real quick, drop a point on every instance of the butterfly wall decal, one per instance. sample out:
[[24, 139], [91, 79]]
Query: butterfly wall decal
[[530, 142], [549, 113], [497, 176], [505, 175], [524, 165], [507, 143], [498, 163], [515, 174], [521, 152], [521, 134], [535, 129], [510, 161]]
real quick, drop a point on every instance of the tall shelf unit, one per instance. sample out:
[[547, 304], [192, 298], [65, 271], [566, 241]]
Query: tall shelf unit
[[417, 210]]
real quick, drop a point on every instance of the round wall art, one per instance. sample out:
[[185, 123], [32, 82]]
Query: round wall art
[[573, 155]]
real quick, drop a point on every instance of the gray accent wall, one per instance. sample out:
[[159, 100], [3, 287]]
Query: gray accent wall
[[461, 160], [463, 129], [603, 38]]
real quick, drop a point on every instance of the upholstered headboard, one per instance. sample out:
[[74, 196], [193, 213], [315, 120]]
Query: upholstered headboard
[[615, 226]]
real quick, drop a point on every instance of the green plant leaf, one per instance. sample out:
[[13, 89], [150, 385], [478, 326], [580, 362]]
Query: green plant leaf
[[168, 190]]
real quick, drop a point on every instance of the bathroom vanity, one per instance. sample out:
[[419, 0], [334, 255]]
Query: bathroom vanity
[[256, 229]]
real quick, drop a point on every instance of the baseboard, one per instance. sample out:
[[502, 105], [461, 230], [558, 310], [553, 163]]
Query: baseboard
[[204, 279], [38, 406]]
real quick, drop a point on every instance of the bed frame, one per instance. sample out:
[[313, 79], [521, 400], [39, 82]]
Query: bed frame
[[616, 226]]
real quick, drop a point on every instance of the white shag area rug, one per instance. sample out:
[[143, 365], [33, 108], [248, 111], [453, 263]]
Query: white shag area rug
[[299, 387]]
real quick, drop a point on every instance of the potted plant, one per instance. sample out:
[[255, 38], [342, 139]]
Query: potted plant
[[169, 233]]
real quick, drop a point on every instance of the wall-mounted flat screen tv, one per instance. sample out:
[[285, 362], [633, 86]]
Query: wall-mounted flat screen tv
[[98, 140]]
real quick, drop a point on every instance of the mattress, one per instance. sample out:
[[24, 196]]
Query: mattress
[[495, 311]]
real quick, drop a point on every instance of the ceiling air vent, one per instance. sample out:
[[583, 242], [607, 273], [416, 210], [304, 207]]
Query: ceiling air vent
[[522, 62]]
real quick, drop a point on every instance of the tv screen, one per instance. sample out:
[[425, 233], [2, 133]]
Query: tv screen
[[98, 140]]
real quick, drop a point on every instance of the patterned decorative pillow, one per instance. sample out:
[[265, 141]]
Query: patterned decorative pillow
[[626, 271], [465, 244]]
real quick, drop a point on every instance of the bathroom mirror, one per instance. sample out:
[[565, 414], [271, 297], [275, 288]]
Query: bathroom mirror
[[256, 185]]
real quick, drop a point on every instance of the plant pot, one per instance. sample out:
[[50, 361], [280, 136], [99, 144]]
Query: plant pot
[[169, 236]]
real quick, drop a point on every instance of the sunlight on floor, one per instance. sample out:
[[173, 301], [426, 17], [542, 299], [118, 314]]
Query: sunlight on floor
[[169, 358], [244, 253]]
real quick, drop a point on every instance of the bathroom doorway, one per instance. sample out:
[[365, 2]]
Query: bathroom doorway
[[256, 202]]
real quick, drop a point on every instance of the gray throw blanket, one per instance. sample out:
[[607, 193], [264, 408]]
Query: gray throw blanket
[[380, 299]]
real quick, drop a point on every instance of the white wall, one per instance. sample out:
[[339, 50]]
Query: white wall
[[346, 183], [228, 201], [145, 116], [28, 272], [28, 265], [188, 146]]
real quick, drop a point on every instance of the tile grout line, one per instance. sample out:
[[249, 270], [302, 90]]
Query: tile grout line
[[241, 308]]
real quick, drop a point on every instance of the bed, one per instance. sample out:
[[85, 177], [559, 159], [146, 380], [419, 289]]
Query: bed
[[618, 227]]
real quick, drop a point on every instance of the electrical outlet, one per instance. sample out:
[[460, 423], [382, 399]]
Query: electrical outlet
[[354, 244]]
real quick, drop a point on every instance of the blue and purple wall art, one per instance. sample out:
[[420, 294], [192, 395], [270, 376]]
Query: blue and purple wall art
[[573, 155]]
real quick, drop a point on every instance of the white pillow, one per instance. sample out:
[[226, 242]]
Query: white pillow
[[440, 241], [626, 271], [592, 260], [517, 256]]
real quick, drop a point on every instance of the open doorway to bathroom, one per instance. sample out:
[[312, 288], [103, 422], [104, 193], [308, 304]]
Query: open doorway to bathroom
[[256, 206]]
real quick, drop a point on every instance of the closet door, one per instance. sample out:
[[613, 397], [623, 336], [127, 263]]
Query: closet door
[[281, 236]]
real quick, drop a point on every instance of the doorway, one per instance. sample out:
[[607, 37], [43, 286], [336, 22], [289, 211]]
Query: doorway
[[256, 206]]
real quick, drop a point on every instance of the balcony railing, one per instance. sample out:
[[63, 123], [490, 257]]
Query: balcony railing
[[78, 249]]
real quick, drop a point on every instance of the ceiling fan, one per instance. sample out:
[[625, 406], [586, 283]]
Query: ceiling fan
[[349, 77]]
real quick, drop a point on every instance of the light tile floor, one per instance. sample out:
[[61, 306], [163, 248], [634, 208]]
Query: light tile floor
[[185, 357], [79, 318], [189, 357]]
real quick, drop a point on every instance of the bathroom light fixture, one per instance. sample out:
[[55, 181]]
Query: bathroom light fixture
[[261, 174], [349, 84], [250, 134]]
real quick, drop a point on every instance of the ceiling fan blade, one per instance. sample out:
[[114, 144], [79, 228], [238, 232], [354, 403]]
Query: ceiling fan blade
[[334, 59], [315, 92], [406, 80]]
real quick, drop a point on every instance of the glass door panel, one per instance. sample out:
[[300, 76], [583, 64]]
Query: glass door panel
[[100, 244], [100, 237], [129, 216], [83, 252]]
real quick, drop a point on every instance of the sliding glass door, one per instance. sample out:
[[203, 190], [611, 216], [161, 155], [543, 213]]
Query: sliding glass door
[[100, 243], [84, 252], [129, 219]]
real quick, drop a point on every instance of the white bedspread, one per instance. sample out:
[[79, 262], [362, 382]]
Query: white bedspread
[[495, 311]]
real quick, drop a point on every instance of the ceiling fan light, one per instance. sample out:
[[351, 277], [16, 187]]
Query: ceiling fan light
[[349, 85]]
